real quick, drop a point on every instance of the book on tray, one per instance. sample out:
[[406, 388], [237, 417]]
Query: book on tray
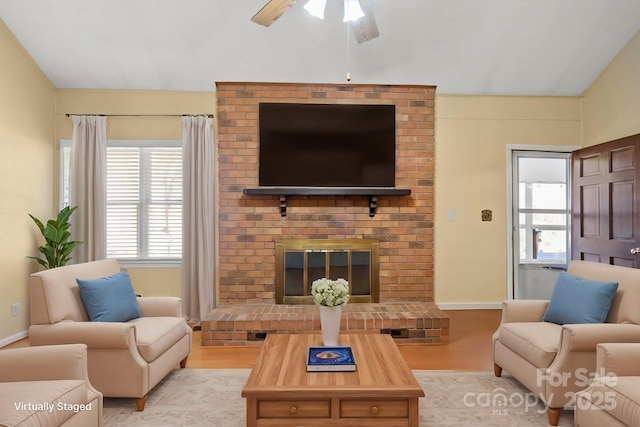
[[323, 359]]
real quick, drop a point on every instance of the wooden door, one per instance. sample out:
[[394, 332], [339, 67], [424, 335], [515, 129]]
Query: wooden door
[[605, 200]]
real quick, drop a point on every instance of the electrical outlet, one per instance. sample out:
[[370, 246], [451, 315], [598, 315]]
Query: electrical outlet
[[15, 309]]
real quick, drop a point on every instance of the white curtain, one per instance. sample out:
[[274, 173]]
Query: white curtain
[[198, 238], [87, 189]]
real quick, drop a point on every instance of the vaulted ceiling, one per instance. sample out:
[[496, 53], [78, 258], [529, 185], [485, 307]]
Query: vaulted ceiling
[[532, 47]]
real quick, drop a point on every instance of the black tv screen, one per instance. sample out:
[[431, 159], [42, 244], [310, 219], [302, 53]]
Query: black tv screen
[[322, 145]]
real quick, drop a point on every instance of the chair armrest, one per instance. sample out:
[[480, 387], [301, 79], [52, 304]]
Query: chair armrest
[[160, 306], [585, 337], [55, 362], [618, 359], [523, 310], [577, 351], [109, 335]]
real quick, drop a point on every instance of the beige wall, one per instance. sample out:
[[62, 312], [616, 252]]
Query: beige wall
[[612, 102], [472, 134], [146, 281], [27, 185]]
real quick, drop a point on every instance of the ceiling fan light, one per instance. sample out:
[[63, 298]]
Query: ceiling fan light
[[316, 8], [352, 10]]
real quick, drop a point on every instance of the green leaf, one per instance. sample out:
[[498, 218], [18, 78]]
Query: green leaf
[[38, 223], [67, 249], [40, 261], [56, 235], [65, 213]]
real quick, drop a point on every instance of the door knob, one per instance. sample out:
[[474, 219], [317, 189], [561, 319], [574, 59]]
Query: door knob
[[635, 251]]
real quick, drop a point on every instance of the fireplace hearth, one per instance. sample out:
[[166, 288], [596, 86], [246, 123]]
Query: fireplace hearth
[[248, 324]]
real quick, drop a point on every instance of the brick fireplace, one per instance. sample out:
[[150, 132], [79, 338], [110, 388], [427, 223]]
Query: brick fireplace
[[249, 225]]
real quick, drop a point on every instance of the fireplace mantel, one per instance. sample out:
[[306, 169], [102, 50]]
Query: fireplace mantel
[[372, 192]]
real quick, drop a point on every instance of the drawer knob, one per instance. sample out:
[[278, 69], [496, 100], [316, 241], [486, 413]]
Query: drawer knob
[[293, 409], [374, 410]]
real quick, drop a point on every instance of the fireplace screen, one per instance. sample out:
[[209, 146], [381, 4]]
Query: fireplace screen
[[300, 262]]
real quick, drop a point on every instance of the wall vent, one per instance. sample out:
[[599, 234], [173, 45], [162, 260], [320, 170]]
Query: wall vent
[[396, 333], [256, 336]]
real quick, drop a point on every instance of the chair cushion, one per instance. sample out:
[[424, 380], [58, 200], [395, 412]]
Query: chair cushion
[[618, 396], [155, 335], [109, 299], [537, 342], [578, 300], [41, 403]]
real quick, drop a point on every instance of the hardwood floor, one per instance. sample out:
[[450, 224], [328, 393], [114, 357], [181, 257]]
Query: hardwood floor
[[469, 347]]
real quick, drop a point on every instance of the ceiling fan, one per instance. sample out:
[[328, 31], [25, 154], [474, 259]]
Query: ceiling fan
[[358, 12]]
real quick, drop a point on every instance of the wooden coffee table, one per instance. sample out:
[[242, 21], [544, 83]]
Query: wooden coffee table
[[381, 392]]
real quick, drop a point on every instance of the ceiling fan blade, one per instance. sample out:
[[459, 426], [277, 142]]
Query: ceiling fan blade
[[272, 11], [365, 28]]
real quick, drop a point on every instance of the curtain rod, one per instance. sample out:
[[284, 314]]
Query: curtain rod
[[142, 115]]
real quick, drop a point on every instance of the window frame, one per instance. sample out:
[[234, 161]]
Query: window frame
[[529, 225], [63, 194]]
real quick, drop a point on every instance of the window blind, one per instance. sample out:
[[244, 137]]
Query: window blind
[[144, 202]]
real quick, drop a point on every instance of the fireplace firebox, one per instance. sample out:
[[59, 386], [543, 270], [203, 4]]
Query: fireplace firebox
[[300, 262]]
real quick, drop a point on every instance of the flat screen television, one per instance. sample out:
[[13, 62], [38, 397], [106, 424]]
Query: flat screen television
[[322, 145]]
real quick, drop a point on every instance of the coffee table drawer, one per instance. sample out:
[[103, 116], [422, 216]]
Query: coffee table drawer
[[294, 409], [374, 408]]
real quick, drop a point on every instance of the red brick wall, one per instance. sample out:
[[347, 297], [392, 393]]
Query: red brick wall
[[249, 225]]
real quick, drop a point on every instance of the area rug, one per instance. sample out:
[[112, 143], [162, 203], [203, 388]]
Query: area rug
[[211, 397]]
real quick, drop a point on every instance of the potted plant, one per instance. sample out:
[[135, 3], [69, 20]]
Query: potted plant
[[57, 249]]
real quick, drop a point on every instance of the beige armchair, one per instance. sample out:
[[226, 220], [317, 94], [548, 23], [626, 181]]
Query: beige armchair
[[556, 361], [47, 386], [613, 398], [125, 359]]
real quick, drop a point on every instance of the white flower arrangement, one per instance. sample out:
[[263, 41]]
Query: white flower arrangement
[[330, 293]]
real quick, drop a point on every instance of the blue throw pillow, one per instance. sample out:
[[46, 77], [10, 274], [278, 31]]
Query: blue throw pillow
[[109, 299], [578, 300]]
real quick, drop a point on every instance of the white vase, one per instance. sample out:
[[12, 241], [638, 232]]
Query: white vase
[[330, 324]]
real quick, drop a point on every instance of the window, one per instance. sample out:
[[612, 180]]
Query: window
[[543, 213], [144, 199]]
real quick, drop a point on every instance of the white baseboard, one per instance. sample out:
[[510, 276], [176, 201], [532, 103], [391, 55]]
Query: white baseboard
[[470, 306], [14, 338]]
